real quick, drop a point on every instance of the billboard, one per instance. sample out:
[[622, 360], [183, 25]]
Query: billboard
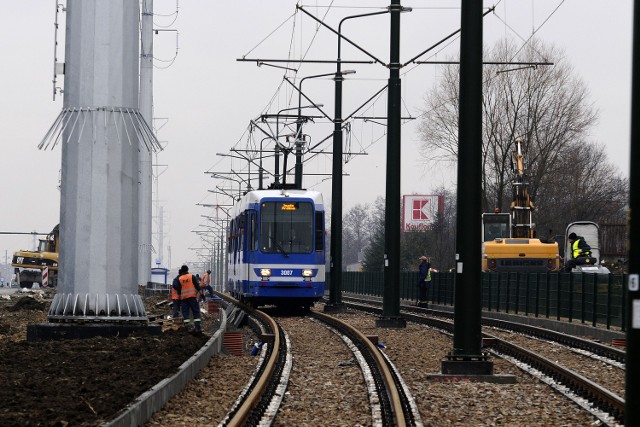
[[419, 211]]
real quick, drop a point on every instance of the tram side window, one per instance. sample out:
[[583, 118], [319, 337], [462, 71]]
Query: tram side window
[[230, 237], [238, 233], [319, 231], [254, 233]]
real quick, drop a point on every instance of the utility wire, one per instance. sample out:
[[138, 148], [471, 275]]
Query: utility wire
[[269, 35]]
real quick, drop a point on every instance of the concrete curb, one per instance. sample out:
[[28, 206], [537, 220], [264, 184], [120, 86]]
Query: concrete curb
[[148, 403]]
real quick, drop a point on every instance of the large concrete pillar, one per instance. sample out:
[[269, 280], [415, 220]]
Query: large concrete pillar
[[103, 134]]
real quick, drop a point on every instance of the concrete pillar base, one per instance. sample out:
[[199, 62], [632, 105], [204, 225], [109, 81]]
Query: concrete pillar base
[[391, 322], [335, 308]]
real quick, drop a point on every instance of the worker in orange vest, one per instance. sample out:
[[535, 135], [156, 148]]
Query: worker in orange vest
[[206, 280], [188, 287], [174, 295]]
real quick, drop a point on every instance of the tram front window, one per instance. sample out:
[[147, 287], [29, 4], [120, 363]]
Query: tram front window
[[286, 227]]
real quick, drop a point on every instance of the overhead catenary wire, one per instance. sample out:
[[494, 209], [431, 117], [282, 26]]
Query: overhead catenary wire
[[173, 14], [269, 35], [405, 72]]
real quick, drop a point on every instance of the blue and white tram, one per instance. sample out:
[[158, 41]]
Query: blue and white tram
[[276, 248]]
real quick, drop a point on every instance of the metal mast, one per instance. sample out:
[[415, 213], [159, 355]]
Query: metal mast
[[102, 133], [145, 162]]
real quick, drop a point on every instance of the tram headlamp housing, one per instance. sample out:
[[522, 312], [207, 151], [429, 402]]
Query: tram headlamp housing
[[265, 273], [307, 273]]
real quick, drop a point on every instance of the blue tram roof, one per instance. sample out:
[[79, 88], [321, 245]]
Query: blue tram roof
[[255, 196]]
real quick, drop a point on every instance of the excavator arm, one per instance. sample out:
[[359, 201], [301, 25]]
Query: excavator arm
[[521, 205]]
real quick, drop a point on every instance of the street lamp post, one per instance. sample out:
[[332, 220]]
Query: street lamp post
[[261, 170], [299, 140], [335, 291]]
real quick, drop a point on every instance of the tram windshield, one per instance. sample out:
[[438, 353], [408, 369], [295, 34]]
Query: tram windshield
[[286, 227]]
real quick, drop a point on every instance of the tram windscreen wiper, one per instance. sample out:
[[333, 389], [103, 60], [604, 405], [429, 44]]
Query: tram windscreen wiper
[[278, 246]]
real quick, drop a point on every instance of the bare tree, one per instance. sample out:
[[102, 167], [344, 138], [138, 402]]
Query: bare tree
[[547, 108], [585, 186], [374, 250], [356, 226]]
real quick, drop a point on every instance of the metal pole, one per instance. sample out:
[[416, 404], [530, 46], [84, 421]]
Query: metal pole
[[145, 163], [335, 244], [391, 296], [335, 247], [298, 142], [467, 357], [261, 171], [632, 392]]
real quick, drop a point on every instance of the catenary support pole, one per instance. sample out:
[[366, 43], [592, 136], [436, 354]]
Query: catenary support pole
[[335, 292], [145, 159], [391, 302], [632, 391], [466, 357], [335, 284]]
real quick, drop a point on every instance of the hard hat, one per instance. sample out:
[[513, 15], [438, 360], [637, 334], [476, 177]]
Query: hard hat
[[573, 236]]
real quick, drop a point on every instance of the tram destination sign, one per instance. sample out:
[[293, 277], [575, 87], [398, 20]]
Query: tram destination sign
[[419, 211]]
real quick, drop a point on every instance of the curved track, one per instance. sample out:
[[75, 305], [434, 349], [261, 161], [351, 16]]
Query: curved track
[[251, 408], [600, 399], [395, 403]]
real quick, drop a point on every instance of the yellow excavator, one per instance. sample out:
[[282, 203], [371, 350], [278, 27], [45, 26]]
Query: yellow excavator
[[509, 240], [30, 264]]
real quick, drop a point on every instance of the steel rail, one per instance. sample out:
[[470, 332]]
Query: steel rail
[[560, 338], [530, 330], [253, 399], [395, 400], [598, 396]]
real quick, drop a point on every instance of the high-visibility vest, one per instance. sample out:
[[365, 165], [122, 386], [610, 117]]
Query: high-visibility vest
[[188, 288], [578, 252], [173, 295], [205, 279]]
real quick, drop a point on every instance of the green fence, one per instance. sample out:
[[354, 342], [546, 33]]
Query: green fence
[[596, 299]]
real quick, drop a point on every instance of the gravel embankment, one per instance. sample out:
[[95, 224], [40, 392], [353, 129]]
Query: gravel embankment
[[598, 371], [326, 387], [206, 400], [418, 351]]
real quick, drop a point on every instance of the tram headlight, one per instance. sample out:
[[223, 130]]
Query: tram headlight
[[265, 273], [307, 273]]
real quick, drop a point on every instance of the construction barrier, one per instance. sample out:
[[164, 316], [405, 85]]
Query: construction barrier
[[213, 306]]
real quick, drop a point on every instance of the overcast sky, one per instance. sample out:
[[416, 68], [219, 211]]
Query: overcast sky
[[204, 98]]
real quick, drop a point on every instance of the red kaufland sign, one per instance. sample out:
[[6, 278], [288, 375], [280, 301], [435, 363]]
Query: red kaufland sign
[[419, 211]]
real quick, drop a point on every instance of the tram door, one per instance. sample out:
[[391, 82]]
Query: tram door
[[250, 241]]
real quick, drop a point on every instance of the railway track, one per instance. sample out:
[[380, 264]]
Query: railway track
[[391, 403], [212, 395], [603, 403], [397, 404], [593, 360]]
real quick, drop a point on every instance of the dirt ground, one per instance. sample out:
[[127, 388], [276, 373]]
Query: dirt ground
[[80, 382]]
